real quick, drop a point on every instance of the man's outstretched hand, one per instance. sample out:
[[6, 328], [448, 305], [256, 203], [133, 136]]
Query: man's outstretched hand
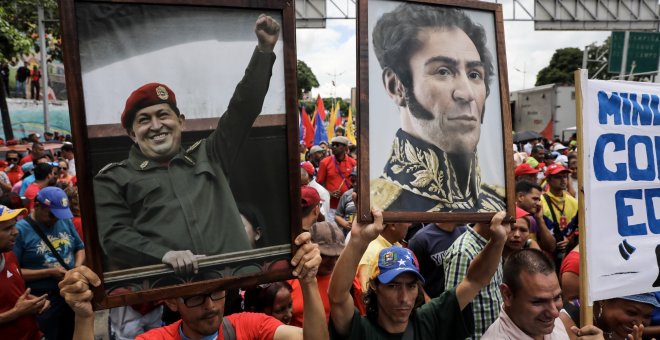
[[74, 288], [267, 31]]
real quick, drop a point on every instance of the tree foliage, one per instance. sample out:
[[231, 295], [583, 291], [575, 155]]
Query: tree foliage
[[19, 28], [566, 60], [562, 65], [306, 79]]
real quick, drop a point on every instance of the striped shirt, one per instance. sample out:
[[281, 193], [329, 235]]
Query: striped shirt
[[457, 259]]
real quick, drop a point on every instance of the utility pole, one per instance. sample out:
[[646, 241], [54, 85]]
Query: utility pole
[[334, 85], [44, 62]]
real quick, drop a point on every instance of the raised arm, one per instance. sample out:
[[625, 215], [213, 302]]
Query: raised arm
[[306, 261], [341, 301], [246, 103], [484, 265]]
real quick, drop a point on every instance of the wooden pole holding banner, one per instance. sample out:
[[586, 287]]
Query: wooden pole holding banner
[[586, 311]]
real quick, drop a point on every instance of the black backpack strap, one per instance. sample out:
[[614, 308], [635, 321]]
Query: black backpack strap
[[228, 330], [43, 237], [555, 224]]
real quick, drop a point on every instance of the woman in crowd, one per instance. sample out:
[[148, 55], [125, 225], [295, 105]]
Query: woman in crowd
[[272, 299], [620, 318]]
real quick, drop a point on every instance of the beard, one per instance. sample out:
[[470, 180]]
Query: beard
[[415, 108]]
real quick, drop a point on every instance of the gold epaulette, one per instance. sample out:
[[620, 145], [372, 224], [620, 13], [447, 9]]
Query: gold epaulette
[[383, 193]]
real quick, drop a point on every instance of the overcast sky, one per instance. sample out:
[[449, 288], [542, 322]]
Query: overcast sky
[[331, 52]]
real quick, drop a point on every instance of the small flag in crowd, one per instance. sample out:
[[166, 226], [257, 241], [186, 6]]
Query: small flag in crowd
[[319, 133]]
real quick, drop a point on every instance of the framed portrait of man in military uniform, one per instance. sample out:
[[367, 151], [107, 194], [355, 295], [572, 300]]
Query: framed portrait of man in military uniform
[[434, 117], [185, 125]]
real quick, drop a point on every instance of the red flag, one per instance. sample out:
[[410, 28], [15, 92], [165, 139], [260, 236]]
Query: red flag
[[319, 107], [338, 122], [308, 135]]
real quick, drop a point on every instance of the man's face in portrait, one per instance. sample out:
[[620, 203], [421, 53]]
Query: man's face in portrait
[[157, 131], [448, 94]]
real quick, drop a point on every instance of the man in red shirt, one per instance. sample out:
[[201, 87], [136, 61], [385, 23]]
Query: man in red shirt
[[202, 315], [335, 172], [43, 177], [17, 306], [14, 172], [37, 151]]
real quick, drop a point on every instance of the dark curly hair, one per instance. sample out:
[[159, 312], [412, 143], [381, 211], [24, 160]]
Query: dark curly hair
[[395, 37], [370, 299]]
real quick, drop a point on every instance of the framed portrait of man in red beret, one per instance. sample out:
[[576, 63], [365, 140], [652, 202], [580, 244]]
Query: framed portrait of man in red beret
[[188, 118]]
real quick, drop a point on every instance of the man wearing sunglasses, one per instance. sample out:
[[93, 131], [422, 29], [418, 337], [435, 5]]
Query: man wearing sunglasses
[[13, 171], [202, 315]]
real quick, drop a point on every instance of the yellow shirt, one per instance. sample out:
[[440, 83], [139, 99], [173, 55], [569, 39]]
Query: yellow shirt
[[567, 202], [369, 261]]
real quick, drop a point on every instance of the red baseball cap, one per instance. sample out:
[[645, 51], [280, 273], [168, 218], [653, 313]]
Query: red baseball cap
[[555, 169], [309, 196], [308, 167], [147, 95], [525, 169]]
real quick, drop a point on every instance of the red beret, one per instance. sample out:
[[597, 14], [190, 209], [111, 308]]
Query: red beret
[[147, 95]]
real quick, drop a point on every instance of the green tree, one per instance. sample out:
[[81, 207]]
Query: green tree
[[306, 79], [562, 65], [18, 35], [566, 60]]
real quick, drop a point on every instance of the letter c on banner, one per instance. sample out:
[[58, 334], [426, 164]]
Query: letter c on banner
[[602, 172], [624, 211]]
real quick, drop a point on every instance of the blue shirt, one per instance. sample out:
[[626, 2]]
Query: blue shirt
[[33, 253], [429, 245], [26, 183]]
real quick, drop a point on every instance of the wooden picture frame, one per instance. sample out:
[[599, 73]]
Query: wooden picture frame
[[200, 49], [414, 178]]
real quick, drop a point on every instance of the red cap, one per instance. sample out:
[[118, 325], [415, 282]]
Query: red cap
[[308, 167], [555, 169], [147, 95], [525, 169], [309, 196], [521, 213]]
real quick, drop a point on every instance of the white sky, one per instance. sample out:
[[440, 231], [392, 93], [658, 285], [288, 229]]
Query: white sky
[[331, 52]]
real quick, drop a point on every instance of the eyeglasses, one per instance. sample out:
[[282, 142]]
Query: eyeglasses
[[198, 300], [64, 168], [12, 159]]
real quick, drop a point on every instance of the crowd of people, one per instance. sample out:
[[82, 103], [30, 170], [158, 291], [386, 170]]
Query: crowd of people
[[358, 281]]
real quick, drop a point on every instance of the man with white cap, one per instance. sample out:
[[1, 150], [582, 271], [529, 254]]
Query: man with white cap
[[335, 172], [46, 248]]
